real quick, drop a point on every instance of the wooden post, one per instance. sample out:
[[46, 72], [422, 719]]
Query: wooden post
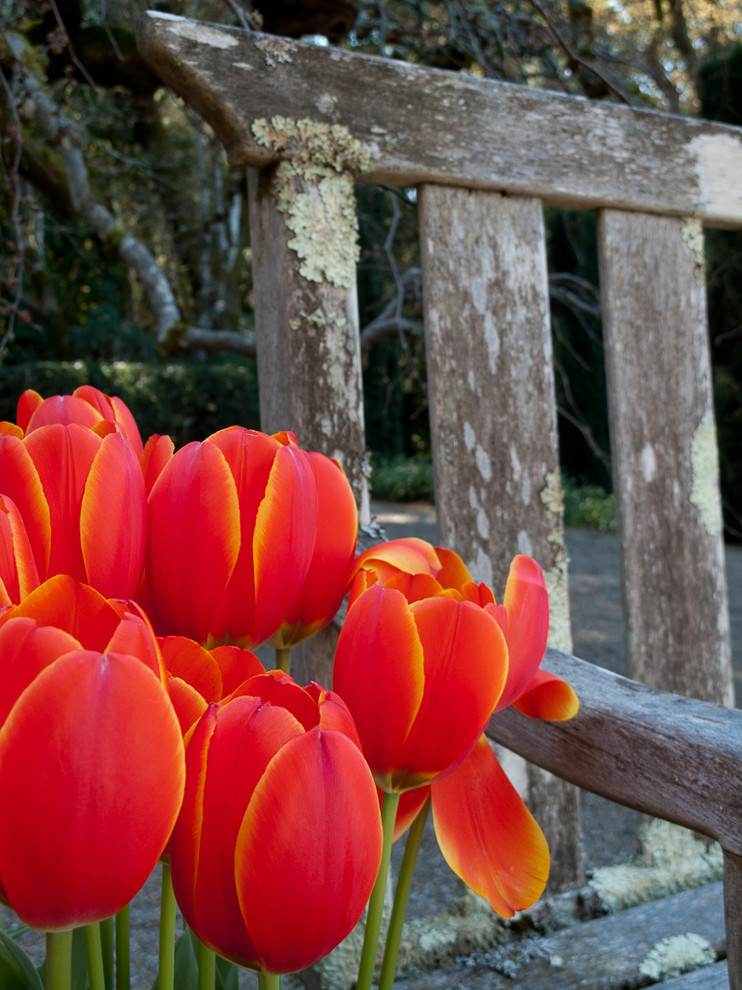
[[303, 234], [493, 422], [664, 454]]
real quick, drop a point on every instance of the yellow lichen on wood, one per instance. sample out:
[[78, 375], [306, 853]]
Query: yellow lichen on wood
[[704, 475], [314, 187], [692, 234], [560, 628]]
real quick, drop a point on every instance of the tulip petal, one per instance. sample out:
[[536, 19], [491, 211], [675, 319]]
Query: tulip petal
[[22, 484], [548, 697], [25, 650], [379, 673], [114, 409], [194, 540], [227, 753], [158, 451], [236, 665], [466, 663], [526, 602], [487, 835], [63, 456], [329, 571], [113, 519], [29, 401], [188, 660], [17, 565], [308, 850], [77, 608], [91, 763], [410, 554]]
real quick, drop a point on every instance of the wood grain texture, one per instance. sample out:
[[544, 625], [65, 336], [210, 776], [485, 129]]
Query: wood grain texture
[[603, 954], [491, 135], [663, 446], [308, 345], [493, 421], [664, 754]]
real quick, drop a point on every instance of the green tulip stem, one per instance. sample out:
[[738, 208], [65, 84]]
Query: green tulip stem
[[167, 931], [389, 805], [59, 960], [269, 981], [106, 943], [401, 896], [283, 659], [96, 974], [206, 967], [123, 957]]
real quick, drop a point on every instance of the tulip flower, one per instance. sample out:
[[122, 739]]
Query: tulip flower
[[196, 677], [82, 502], [278, 841], [486, 833], [91, 756], [232, 526], [421, 681], [329, 574], [87, 406]]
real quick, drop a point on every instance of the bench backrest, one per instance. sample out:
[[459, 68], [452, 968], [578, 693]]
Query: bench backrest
[[485, 158]]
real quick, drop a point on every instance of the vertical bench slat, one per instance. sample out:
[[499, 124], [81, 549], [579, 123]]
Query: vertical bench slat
[[308, 343], [732, 916], [493, 420], [664, 453]]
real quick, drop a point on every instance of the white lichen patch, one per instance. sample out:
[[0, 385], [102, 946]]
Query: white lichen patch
[[671, 860], [205, 34], [314, 188], [692, 234], [276, 51], [677, 955], [718, 162], [705, 474], [560, 628], [648, 463]]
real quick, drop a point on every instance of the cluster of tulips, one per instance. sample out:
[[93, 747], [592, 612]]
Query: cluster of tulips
[[137, 726]]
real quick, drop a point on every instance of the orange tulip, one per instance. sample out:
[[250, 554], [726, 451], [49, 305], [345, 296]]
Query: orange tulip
[[486, 833], [278, 841], [232, 526], [91, 756], [328, 577], [421, 680], [87, 406], [82, 502], [196, 677]]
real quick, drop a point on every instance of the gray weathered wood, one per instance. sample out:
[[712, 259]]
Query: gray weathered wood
[[303, 235], [603, 954], [667, 755], [674, 757], [421, 125], [493, 420], [306, 322], [663, 445]]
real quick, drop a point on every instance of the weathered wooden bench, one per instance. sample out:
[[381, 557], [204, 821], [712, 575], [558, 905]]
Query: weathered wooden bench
[[485, 158]]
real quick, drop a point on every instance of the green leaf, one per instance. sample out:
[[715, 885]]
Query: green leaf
[[227, 975], [17, 972]]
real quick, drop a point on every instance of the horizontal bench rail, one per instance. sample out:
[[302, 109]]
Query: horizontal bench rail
[[489, 135]]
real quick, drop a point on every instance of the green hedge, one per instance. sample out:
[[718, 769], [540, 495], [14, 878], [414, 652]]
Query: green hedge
[[186, 401]]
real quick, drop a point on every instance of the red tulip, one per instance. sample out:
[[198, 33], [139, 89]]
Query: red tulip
[[278, 842], [328, 577], [91, 756], [421, 681], [485, 831], [420, 570], [18, 573], [87, 406], [197, 676], [232, 525], [82, 502]]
